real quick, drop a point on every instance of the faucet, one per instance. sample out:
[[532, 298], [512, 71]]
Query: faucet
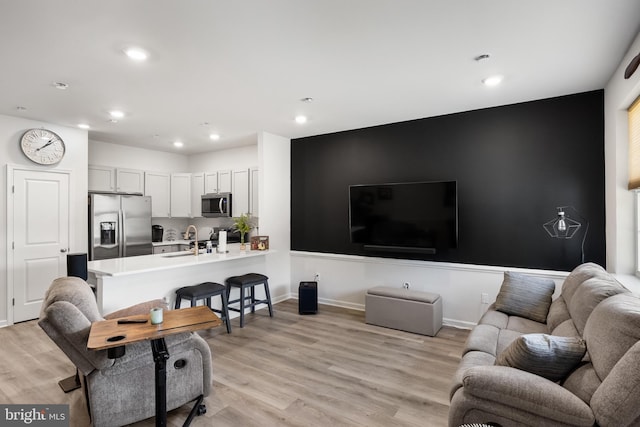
[[195, 246]]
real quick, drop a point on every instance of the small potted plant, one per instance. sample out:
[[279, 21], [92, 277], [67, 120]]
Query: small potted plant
[[242, 225]]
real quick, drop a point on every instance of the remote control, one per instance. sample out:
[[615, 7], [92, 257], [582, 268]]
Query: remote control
[[123, 321]]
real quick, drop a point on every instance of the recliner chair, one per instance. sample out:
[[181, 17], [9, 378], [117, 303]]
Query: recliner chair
[[121, 391]]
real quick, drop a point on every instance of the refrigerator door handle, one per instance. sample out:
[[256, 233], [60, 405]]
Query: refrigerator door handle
[[123, 234]]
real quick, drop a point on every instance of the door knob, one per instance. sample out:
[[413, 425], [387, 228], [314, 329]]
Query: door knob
[[63, 250]]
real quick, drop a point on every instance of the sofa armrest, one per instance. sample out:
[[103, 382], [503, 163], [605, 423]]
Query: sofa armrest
[[527, 392]]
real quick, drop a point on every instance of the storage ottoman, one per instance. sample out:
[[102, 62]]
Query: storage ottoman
[[404, 309]]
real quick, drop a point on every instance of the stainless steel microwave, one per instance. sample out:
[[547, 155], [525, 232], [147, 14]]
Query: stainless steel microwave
[[216, 205]]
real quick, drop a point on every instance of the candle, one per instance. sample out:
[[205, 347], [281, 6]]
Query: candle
[[156, 315]]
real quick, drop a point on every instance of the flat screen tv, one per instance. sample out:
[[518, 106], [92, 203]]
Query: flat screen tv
[[420, 217]]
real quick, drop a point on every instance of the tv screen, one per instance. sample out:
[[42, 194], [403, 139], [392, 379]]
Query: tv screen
[[404, 217]]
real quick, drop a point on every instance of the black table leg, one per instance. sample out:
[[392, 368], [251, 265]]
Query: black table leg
[[160, 356]]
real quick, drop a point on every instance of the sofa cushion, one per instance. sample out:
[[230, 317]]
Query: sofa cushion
[[589, 295], [525, 296], [612, 334], [579, 274], [545, 355], [558, 313], [582, 382]]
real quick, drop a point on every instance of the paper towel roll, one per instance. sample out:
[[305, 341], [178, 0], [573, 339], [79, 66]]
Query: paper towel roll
[[222, 241]]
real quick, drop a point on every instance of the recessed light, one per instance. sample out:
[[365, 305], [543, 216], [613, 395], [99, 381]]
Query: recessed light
[[482, 57], [60, 85], [214, 136], [178, 144], [136, 54], [84, 126], [307, 99], [116, 114], [301, 119], [492, 81], [21, 108]]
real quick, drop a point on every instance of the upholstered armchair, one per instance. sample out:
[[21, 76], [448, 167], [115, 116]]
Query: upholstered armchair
[[121, 391]]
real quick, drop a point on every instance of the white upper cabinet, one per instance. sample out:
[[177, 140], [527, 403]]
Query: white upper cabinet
[[197, 190], [181, 195], [254, 181], [224, 182], [157, 185], [211, 182], [217, 182], [102, 178], [240, 196], [129, 181]]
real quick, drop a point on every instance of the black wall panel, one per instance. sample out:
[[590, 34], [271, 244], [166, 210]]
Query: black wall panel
[[514, 165]]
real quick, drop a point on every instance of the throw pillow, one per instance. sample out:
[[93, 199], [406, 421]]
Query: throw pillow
[[525, 296], [545, 355]]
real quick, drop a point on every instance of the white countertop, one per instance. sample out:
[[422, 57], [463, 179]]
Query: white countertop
[[166, 261]]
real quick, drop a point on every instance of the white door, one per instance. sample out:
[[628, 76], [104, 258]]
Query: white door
[[40, 237]]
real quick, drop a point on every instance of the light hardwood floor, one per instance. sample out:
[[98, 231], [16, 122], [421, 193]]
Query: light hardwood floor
[[290, 370]]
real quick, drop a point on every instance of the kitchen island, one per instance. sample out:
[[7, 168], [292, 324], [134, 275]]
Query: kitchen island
[[121, 282]]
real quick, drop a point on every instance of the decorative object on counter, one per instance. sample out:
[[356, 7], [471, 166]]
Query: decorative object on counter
[[171, 234], [209, 247], [242, 224], [259, 243]]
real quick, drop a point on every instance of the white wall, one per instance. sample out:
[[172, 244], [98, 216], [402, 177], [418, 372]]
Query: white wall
[[75, 160], [620, 209], [274, 153], [233, 158], [122, 156]]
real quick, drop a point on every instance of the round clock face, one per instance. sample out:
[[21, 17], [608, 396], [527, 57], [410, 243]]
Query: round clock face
[[42, 146]]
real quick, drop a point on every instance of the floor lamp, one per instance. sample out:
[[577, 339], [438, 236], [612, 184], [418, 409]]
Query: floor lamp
[[565, 227], [77, 267]]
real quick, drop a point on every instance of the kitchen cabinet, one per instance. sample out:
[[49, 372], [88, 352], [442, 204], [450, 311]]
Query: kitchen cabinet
[[211, 182], [129, 181], [165, 249], [254, 181], [240, 196], [102, 178], [224, 182], [157, 185], [197, 190], [180, 195], [217, 182]]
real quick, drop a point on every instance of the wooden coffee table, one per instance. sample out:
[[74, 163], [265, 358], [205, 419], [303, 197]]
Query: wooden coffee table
[[111, 336]]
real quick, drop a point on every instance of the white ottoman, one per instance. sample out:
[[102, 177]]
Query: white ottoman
[[404, 309]]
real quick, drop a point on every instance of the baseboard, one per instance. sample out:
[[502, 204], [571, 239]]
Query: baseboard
[[3, 323], [460, 324]]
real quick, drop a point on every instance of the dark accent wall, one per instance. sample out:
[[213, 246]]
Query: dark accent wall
[[514, 165]]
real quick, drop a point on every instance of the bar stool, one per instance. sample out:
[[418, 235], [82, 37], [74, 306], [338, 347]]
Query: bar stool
[[206, 290], [249, 280]]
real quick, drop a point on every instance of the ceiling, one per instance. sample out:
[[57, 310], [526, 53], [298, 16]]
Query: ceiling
[[240, 67]]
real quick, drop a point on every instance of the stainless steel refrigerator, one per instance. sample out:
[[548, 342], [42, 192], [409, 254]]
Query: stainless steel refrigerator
[[119, 226]]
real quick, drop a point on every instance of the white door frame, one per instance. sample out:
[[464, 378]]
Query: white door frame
[[10, 225]]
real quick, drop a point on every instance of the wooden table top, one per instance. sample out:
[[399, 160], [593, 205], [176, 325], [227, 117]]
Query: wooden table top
[[105, 334]]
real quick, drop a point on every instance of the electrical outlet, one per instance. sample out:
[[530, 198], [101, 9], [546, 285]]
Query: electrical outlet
[[484, 298], [317, 277], [406, 285]]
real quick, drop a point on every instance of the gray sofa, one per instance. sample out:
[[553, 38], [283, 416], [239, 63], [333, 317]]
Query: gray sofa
[[121, 391], [573, 361]]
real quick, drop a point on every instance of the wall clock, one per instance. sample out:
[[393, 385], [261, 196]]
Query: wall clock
[[42, 146]]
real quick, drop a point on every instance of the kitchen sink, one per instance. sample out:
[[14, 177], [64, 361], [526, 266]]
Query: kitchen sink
[[182, 253]]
